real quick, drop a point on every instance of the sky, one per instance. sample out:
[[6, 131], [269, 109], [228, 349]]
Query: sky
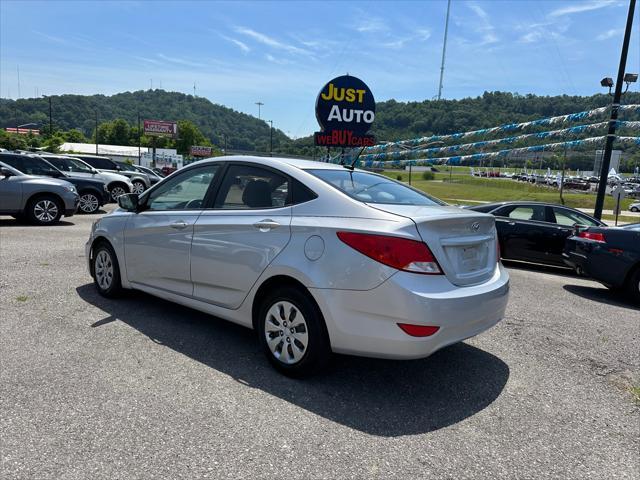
[[282, 53]]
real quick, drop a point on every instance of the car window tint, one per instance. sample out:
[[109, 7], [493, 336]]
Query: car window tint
[[183, 192], [100, 163], [30, 165], [528, 212], [245, 187], [569, 218], [126, 167], [371, 188]]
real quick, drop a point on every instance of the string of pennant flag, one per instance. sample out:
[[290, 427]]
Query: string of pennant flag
[[510, 127], [417, 153], [454, 160]]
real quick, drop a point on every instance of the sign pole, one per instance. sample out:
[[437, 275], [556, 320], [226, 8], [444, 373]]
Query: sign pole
[[617, 208]]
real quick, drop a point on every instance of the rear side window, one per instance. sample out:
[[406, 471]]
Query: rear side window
[[246, 187], [31, 165], [524, 212], [100, 163], [371, 188]]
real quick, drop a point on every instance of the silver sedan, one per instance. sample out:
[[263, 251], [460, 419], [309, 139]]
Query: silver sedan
[[317, 258]]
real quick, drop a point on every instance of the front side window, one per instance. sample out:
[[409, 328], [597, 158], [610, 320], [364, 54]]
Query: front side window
[[68, 165], [246, 187], [569, 218], [371, 188], [183, 192]]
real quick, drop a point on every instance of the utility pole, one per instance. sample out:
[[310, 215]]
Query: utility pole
[[139, 150], [444, 49], [260, 104], [606, 158], [96, 131], [271, 138]]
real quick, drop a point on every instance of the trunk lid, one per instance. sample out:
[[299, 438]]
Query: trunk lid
[[463, 241]]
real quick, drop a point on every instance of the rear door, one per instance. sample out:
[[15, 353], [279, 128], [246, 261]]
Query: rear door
[[158, 239], [246, 228], [524, 232]]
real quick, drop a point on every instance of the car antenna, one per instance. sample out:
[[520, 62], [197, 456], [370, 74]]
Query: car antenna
[[353, 164]]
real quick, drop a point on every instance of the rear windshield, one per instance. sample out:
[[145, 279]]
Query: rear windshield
[[372, 188]]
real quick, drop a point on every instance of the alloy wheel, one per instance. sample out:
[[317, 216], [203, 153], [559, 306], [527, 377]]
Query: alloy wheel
[[116, 192], [89, 203], [286, 332], [45, 211], [104, 269], [138, 187]]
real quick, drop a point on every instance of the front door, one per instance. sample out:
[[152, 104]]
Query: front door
[[235, 241], [158, 239], [11, 193]]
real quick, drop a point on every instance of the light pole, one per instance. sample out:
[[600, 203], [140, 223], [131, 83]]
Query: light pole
[[608, 82], [50, 115], [97, 132], [260, 104], [270, 137]]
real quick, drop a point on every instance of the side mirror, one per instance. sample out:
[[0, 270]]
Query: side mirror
[[5, 172], [128, 202]]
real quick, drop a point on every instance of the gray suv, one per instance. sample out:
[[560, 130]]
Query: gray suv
[[40, 200]]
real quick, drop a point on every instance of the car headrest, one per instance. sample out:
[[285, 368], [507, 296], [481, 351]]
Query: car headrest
[[257, 194]]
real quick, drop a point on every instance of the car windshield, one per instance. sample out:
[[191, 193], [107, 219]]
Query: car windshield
[[69, 165], [372, 188], [127, 167]]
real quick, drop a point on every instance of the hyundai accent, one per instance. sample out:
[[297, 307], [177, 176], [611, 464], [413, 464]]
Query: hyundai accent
[[317, 258]]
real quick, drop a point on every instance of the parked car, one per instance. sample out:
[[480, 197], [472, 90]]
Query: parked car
[[93, 193], [139, 181], [610, 255], [159, 172], [40, 200], [315, 257], [635, 207], [131, 169], [153, 176], [535, 232], [74, 167]]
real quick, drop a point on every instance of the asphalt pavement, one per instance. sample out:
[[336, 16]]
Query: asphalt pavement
[[139, 388]]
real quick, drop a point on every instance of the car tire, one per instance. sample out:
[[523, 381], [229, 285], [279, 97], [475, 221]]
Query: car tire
[[105, 271], [633, 285], [283, 340], [44, 210], [634, 209], [89, 202], [138, 187], [116, 190]]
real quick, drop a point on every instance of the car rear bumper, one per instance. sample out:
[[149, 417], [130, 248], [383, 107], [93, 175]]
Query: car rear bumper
[[366, 322]]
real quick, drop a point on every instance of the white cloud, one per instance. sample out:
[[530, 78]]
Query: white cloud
[[179, 61], [485, 27], [614, 32], [271, 42], [371, 24], [581, 7], [241, 45], [420, 35]]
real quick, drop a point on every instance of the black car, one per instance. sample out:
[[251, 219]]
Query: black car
[[93, 193], [533, 231], [608, 255]]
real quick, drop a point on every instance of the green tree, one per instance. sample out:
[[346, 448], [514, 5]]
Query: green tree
[[119, 134], [12, 141], [75, 136], [189, 135]]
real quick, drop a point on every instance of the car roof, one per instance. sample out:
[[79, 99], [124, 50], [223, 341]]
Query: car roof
[[275, 161]]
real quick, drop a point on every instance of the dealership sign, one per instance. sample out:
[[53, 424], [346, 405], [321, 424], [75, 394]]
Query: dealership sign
[[160, 128], [345, 109], [200, 151]]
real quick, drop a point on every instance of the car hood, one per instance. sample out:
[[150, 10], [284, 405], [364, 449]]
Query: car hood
[[35, 180], [109, 177]]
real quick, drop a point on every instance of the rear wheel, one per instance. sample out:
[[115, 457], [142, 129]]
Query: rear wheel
[[635, 209], [89, 202], [44, 210], [292, 332], [106, 272]]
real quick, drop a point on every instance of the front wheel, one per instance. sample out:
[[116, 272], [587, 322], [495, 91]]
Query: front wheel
[[106, 272], [292, 333], [89, 203], [138, 187], [44, 210], [634, 209]]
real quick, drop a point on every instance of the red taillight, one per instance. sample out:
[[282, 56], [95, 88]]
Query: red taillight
[[418, 330], [596, 237], [401, 253]]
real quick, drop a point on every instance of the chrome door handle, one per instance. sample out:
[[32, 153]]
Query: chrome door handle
[[512, 223], [179, 225], [265, 225]]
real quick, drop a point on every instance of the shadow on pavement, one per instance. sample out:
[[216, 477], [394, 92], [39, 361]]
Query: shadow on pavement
[[12, 222], [602, 295], [378, 397]]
